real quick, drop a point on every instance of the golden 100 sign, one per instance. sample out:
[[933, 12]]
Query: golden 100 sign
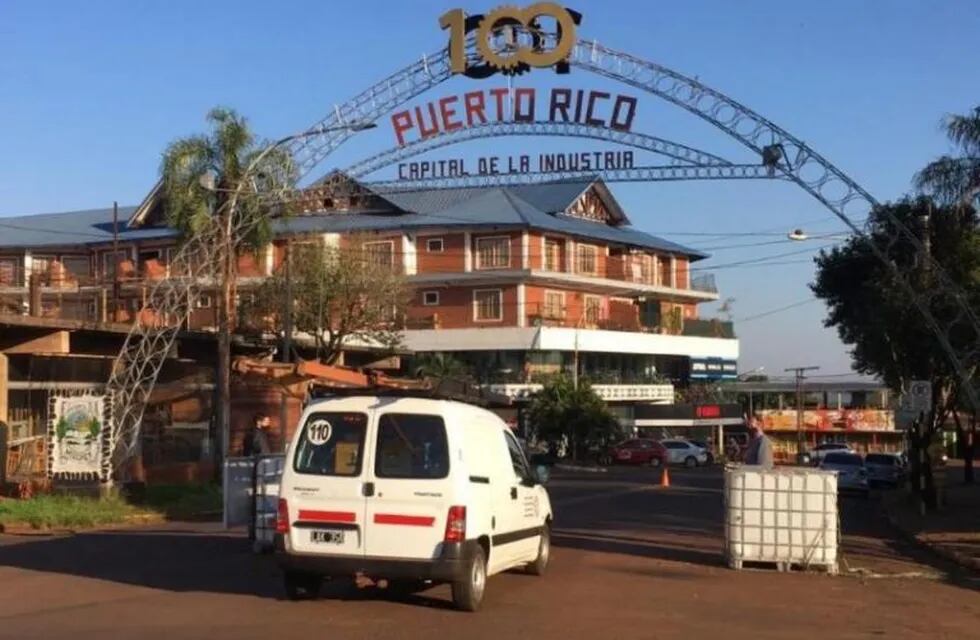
[[516, 55]]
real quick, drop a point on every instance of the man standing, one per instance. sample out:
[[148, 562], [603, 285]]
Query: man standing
[[759, 451], [257, 441]]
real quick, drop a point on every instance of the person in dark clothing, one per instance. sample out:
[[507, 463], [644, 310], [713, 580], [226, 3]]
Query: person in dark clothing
[[759, 451], [257, 441]]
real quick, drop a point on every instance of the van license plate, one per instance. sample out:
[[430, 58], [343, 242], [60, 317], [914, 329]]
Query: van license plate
[[320, 536]]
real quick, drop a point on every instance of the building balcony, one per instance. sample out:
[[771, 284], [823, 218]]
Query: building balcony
[[564, 338], [590, 283], [658, 393]]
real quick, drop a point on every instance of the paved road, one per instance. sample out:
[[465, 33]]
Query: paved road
[[631, 560]]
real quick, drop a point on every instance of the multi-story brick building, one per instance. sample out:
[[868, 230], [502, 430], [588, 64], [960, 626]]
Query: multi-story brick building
[[516, 281]]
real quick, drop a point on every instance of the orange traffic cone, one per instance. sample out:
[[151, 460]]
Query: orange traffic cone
[[665, 477]]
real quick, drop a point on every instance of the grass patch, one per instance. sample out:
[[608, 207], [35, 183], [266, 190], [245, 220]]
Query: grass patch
[[64, 511], [53, 511], [183, 500]]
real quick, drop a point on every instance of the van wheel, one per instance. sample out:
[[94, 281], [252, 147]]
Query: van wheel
[[301, 586], [468, 591], [537, 568], [654, 462], [690, 462]]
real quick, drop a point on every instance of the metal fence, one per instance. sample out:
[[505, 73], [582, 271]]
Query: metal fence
[[251, 495]]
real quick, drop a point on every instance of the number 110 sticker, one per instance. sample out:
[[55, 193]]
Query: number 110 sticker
[[318, 432]]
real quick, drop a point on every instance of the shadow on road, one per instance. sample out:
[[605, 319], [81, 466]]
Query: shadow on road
[[641, 547], [159, 559]]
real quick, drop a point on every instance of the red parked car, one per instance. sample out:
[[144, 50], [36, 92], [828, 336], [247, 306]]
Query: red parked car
[[635, 451]]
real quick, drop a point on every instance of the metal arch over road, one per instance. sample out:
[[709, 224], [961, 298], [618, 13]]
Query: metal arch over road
[[683, 154], [667, 173], [138, 363], [777, 148]]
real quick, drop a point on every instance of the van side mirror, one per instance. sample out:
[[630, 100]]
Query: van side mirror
[[542, 473]]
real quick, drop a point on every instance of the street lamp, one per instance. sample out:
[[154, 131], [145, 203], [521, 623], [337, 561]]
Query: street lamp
[[799, 235]]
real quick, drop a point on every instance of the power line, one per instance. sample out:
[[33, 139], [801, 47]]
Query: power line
[[763, 258], [764, 314]]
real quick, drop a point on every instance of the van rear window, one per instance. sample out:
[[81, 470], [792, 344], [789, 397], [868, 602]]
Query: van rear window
[[411, 446], [332, 444]]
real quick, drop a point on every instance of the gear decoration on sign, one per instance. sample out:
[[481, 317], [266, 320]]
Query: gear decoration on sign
[[507, 15], [516, 59]]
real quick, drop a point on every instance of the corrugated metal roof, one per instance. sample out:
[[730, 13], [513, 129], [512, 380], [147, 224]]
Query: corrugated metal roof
[[536, 206], [92, 226]]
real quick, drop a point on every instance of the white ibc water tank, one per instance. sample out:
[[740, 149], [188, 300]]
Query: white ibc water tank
[[785, 516]]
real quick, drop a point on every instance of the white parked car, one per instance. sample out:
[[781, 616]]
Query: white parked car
[[684, 452], [821, 450], [411, 490]]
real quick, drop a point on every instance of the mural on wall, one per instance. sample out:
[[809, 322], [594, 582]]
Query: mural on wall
[[829, 420], [78, 435]]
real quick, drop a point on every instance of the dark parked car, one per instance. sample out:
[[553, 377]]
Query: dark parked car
[[885, 469], [635, 451], [851, 474]]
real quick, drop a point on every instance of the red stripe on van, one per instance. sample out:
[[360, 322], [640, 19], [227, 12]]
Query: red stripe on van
[[412, 521], [327, 516]]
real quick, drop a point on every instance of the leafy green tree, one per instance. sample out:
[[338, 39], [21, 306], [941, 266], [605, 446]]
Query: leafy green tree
[[340, 295], [200, 177], [956, 179], [560, 410], [441, 366], [875, 317]]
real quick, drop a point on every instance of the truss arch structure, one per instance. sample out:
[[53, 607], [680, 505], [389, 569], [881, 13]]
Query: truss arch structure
[[782, 154], [678, 153]]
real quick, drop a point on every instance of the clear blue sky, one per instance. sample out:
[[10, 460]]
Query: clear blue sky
[[90, 93]]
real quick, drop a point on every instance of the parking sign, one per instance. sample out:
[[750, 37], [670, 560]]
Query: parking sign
[[918, 398]]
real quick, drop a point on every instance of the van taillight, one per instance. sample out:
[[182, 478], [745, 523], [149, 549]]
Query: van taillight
[[282, 517], [456, 524]]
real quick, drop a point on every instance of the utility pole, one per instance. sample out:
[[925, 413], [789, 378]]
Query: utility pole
[[799, 371], [115, 261], [287, 316]]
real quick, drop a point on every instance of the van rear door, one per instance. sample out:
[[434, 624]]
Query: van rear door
[[326, 486], [412, 486]]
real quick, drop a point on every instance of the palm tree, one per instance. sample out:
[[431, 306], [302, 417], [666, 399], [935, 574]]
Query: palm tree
[[202, 177], [441, 366], [956, 180]]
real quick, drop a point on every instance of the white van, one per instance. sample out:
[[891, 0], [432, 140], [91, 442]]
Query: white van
[[408, 489]]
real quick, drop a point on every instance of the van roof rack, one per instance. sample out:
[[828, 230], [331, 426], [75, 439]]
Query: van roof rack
[[433, 388], [324, 380]]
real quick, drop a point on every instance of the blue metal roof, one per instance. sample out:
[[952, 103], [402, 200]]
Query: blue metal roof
[[92, 226], [536, 206]]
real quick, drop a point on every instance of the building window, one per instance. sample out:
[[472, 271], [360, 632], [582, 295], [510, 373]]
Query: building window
[[430, 298], [380, 253], [434, 245], [8, 272], [41, 265], [552, 255], [493, 253], [76, 266], [488, 305], [204, 301], [593, 309], [587, 259], [664, 276], [107, 266], [554, 305]]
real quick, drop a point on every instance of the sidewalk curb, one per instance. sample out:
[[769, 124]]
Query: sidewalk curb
[[575, 467], [23, 529], [951, 555]]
